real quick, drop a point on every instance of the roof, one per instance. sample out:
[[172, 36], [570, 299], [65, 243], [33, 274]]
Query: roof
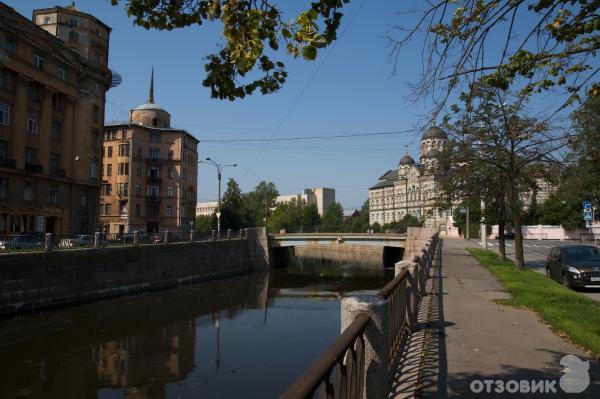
[[390, 174], [151, 107], [434, 132], [111, 125], [71, 10], [406, 160], [381, 184]]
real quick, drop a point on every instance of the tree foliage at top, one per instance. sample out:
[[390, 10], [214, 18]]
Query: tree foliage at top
[[539, 44], [253, 30]]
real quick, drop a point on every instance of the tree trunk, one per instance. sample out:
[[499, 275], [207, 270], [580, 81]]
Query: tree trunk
[[501, 228], [517, 223], [467, 225]]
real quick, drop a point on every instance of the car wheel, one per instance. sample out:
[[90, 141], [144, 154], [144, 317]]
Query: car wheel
[[565, 281]]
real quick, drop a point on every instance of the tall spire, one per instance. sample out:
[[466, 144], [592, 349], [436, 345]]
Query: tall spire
[[151, 95]]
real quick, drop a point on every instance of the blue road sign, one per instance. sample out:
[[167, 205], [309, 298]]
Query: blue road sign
[[587, 205], [587, 216]]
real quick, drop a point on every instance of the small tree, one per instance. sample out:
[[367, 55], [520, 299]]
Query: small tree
[[333, 218]]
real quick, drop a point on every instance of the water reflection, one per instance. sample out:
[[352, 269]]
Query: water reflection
[[247, 336]]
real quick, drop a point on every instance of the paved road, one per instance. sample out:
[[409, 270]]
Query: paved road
[[535, 252]]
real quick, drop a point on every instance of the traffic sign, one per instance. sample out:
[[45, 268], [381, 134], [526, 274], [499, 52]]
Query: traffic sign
[[587, 205], [587, 216], [587, 210]]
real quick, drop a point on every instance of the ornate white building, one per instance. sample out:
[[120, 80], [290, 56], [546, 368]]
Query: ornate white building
[[411, 188]]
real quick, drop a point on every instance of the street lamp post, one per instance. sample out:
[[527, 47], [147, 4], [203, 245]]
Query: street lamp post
[[219, 170]]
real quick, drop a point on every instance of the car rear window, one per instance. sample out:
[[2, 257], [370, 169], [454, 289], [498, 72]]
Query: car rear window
[[582, 253]]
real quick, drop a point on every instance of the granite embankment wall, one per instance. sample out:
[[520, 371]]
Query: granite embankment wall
[[29, 281], [358, 254]]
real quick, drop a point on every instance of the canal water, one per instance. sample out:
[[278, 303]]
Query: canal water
[[242, 337]]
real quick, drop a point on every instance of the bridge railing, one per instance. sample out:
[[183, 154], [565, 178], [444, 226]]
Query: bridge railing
[[372, 341]]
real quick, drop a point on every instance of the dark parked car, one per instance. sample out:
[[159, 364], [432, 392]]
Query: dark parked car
[[507, 236], [574, 265]]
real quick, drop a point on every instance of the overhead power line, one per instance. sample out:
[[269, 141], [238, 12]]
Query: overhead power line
[[333, 137]]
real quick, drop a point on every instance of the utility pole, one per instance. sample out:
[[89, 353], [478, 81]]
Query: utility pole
[[219, 169]]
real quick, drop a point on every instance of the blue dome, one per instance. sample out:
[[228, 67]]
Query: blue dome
[[434, 132]]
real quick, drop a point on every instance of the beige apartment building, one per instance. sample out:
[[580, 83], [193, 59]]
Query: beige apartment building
[[149, 173], [319, 197], [53, 80]]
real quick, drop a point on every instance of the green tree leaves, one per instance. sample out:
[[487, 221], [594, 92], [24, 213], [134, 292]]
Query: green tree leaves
[[250, 29]]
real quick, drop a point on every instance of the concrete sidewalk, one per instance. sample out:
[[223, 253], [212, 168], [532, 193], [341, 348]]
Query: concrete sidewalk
[[479, 340]]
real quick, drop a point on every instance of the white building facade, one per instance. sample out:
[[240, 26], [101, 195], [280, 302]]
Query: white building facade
[[206, 208], [320, 197], [411, 188]]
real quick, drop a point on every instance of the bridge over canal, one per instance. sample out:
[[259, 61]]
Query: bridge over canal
[[371, 249]]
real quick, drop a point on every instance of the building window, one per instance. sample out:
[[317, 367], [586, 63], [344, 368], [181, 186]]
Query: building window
[[73, 23], [3, 151], [96, 89], [29, 191], [32, 122], [5, 79], [47, 20], [4, 114], [109, 209], [169, 192], [106, 189], [153, 191], [123, 169], [95, 139], [169, 211], [73, 36], [55, 132], [138, 210], [170, 155], [155, 136], [109, 170], [38, 61], [34, 93], [54, 163], [30, 155], [154, 153], [96, 113], [154, 172], [58, 102], [171, 172], [123, 189], [124, 150], [62, 73], [9, 44], [137, 190], [153, 210], [53, 194], [109, 152], [3, 187], [83, 199], [138, 171], [94, 169], [140, 151]]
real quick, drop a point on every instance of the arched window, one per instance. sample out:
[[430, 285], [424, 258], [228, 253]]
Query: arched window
[[155, 122]]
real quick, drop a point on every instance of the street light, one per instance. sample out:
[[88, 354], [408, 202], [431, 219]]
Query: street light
[[219, 169]]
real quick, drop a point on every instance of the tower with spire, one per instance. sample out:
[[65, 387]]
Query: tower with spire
[[151, 114]]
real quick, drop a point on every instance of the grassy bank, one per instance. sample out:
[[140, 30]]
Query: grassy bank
[[564, 310]]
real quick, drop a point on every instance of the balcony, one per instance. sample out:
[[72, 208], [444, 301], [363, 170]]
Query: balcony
[[34, 168], [154, 161], [154, 179], [56, 172], [152, 198], [8, 163]]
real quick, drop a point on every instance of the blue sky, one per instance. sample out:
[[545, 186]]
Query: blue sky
[[352, 91]]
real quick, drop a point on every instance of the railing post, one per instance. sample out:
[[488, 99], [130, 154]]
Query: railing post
[[97, 239], [191, 235], [49, 242], [377, 380], [166, 240], [136, 238], [213, 235], [229, 234], [413, 286]]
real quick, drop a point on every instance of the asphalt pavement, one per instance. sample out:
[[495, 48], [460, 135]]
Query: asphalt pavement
[[535, 252]]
